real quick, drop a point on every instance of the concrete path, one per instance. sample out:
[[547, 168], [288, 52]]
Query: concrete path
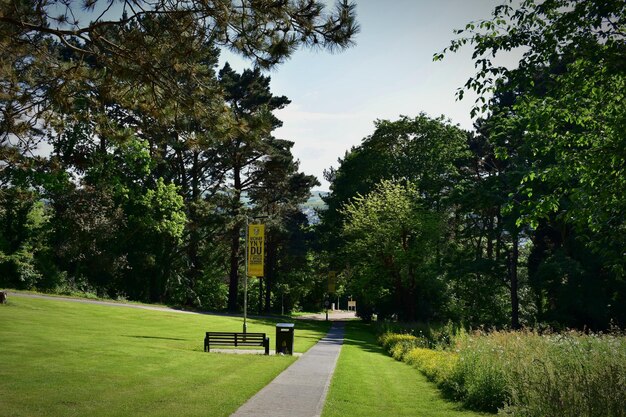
[[300, 391], [333, 315], [249, 352], [337, 315], [102, 303], [131, 305]]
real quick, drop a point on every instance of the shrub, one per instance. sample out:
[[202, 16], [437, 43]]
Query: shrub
[[437, 365], [398, 345], [433, 335], [388, 340]]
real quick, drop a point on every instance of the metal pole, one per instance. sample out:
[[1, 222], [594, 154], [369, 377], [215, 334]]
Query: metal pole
[[245, 279], [326, 305], [245, 283]]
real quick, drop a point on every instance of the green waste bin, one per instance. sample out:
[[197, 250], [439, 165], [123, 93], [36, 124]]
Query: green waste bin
[[284, 338]]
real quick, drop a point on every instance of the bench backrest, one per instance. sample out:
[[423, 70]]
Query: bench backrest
[[237, 339]]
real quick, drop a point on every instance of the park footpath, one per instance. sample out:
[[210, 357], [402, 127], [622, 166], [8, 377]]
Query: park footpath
[[300, 390]]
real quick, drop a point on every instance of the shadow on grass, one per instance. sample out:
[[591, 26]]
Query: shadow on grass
[[155, 337], [311, 325], [363, 336]]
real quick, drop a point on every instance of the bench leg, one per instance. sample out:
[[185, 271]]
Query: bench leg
[[267, 345]]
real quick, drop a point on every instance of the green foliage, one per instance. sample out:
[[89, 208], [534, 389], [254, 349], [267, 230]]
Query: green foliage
[[162, 210], [20, 266], [397, 345], [392, 244], [437, 365], [430, 335], [480, 376], [571, 374], [567, 111], [162, 36], [260, 167], [540, 208], [24, 255], [468, 261], [580, 125], [423, 150]]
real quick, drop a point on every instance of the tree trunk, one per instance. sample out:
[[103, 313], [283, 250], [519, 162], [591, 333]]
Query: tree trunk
[[270, 270], [260, 309], [490, 234], [233, 287], [514, 282], [195, 270]]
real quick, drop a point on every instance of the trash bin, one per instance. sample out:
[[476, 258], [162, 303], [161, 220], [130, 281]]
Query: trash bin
[[284, 338]]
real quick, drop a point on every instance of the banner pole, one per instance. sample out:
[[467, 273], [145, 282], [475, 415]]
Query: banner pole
[[245, 283]]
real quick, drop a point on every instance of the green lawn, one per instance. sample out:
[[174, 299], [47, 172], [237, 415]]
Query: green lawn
[[60, 358], [369, 383]]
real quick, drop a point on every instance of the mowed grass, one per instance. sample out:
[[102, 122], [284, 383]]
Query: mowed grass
[[60, 358], [369, 383]]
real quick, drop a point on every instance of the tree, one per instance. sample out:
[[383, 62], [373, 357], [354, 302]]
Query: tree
[[392, 240], [244, 156], [23, 221], [486, 255], [422, 150], [564, 120], [278, 194], [570, 107], [34, 72], [267, 32]]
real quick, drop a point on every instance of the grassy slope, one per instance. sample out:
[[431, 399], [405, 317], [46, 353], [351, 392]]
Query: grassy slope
[[69, 359], [369, 383]]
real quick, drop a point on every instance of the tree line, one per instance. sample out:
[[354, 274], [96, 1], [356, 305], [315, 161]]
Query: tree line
[[520, 222], [153, 157]]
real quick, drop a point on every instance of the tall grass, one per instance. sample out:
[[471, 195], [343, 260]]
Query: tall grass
[[567, 374], [524, 373]]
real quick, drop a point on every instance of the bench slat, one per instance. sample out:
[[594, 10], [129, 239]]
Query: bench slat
[[235, 339]]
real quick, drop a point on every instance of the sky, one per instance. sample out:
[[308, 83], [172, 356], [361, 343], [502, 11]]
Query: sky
[[335, 98]]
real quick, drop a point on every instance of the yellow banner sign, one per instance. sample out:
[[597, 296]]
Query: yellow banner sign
[[256, 250]]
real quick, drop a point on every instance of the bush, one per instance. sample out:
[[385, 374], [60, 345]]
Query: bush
[[437, 365], [434, 335]]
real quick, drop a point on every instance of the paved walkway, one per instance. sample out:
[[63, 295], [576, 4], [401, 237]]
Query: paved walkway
[[300, 390], [103, 303], [130, 305], [333, 315], [249, 352]]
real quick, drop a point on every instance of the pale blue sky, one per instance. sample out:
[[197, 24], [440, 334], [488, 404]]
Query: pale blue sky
[[390, 72]]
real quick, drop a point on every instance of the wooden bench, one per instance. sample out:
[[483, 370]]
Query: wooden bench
[[236, 339]]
